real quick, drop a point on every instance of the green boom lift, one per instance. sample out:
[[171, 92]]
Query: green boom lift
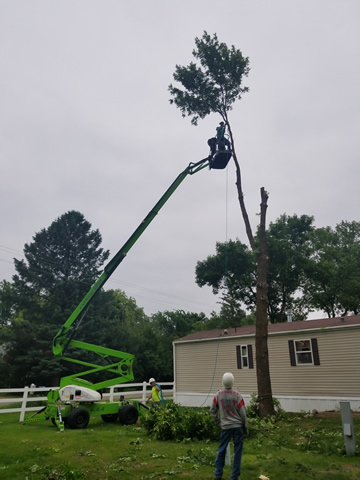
[[76, 398]]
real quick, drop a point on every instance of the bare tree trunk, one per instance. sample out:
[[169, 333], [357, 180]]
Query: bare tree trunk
[[241, 195], [266, 406]]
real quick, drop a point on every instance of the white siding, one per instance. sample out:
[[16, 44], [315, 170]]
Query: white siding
[[337, 374], [199, 366]]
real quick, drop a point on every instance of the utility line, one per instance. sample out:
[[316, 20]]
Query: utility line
[[225, 267], [46, 261]]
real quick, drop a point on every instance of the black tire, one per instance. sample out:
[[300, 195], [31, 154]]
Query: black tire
[[78, 418], [110, 417], [128, 415]]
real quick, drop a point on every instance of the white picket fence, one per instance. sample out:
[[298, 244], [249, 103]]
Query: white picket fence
[[27, 395]]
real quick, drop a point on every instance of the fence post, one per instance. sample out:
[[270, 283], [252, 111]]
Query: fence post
[[23, 404], [111, 398], [144, 393]]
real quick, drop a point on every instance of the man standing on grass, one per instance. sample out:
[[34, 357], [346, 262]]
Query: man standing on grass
[[228, 411], [156, 394]]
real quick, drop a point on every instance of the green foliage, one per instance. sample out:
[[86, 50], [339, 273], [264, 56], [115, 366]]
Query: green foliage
[[333, 269], [7, 306], [156, 355], [60, 266], [230, 316], [318, 439], [63, 260], [64, 472], [176, 324], [204, 457], [288, 249], [180, 424], [115, 321], [252, 410], [214, 83], [112, 451], [232, 270], [308, 268]]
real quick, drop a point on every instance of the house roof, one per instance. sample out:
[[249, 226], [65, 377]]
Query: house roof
[[274, 328]]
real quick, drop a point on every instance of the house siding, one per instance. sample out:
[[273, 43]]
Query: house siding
[[337, 374], [200, 364]]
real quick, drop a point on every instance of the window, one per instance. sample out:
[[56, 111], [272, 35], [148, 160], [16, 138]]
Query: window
[[244, 356], [304, 352]]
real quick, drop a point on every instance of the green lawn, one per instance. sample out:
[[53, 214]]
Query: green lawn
[[296, 448]]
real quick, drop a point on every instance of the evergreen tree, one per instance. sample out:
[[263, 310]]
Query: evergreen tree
[[60, 265], [6, 304]]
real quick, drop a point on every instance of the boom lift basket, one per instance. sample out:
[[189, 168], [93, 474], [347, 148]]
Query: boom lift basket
[[220, 159]]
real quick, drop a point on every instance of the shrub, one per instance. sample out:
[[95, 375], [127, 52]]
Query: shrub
[[177, 423], [252, 410]]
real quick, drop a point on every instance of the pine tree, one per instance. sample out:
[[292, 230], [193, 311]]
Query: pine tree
[[59, 267]]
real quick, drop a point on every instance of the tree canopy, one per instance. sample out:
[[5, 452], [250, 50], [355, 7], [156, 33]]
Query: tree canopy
[[309, 269], [212, 84], [332, 282]]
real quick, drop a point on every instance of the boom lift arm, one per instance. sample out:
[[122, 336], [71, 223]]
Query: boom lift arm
[[122, 367]]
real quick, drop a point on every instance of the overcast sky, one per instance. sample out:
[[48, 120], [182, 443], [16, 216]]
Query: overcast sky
[[86, 125]]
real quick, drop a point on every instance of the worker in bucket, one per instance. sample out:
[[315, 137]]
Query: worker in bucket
[[221, 140], [228, 411]]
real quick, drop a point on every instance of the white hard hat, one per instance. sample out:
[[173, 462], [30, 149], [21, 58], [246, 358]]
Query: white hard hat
[[152, 380], [228, 380]]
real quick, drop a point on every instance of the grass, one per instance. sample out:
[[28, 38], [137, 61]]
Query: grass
[[295, 448]]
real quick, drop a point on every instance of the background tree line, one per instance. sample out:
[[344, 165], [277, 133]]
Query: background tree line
[[309, 268]]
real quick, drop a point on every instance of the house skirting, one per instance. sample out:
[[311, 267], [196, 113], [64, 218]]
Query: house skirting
[[288, 403]]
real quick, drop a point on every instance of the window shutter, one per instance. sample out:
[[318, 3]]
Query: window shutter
[[250, 353], [238, 356], [315, 350], [292, 353]]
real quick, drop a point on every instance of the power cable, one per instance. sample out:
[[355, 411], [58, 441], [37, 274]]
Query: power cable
[[47, 261], [225, 271]]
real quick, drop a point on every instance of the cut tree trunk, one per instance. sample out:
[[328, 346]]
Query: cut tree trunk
[[266, 406]]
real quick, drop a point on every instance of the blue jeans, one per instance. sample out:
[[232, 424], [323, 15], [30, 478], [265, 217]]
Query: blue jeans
[[238, 435]]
